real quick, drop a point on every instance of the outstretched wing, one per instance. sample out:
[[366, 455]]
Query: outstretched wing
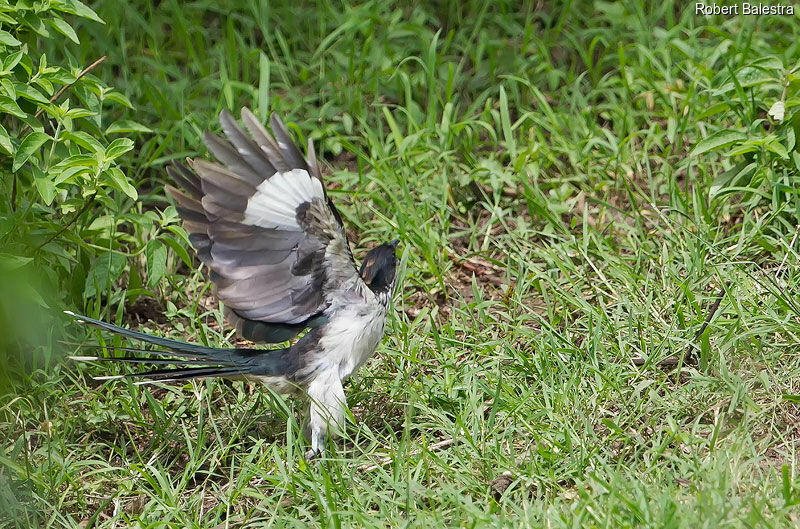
[[265, 227]]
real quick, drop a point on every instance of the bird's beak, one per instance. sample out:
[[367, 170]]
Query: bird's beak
[[394, 243]]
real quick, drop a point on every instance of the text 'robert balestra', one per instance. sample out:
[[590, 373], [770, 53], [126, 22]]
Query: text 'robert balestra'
[[743, 9]]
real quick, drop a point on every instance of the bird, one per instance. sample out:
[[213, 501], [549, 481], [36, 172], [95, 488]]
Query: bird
[[279, 258]]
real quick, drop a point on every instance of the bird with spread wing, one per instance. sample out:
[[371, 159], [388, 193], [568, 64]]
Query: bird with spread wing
[[280, 261]]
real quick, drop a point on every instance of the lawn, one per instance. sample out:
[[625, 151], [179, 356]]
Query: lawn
[[597, 322]]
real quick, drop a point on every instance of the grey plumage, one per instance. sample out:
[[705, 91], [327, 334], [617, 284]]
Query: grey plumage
[[249, 258], [280, 261]]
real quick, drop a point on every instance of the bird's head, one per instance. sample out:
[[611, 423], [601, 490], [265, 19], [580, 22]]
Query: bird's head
[[379, 269]]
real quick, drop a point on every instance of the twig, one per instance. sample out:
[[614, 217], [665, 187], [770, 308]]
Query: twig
[[668, 362], [479, 267], [688, 354], [369, 467], [70, 223], [64, 88], [53, 99], [506, 191]]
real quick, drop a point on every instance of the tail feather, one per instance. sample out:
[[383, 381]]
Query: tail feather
[[172, 376], [140, 360], [174, 346], [86, 358], [193, 361], [160, 375]]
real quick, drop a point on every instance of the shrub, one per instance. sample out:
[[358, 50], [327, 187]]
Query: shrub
[[60, 166]]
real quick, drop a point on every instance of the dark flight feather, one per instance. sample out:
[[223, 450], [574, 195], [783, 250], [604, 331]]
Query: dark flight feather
[[218, 361]]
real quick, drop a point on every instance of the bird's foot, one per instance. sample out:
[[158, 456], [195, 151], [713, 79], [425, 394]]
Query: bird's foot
[[314, 453]]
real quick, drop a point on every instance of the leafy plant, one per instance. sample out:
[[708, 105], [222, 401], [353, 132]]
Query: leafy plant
[[62, 163], [762, 102]]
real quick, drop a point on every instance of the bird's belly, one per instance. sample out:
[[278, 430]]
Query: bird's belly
[[351, 339], [280, 385]]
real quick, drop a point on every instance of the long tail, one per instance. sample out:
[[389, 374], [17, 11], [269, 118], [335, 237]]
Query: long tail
[[192, 360]]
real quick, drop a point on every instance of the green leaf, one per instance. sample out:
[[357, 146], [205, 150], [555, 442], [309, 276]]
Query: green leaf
[[127, 125], [748, 77], [46, 188], [29, 145], [744, 148], [118, 180], [713, 110], [8, 87], [84, 140], [180, 232], [103, 223], [45, 84], [12, 60], [65, 29], [718, 140], [156, 254], [68, 174], [9, 262], [179, 250], [75, 113], [76, 7], [732, 178], [30, 93], [107, 268], [396, 135], [8, 39], [773, 145], [769, 63], [505, 121], [77, 160], [119, 98], [9, 106], [63, 76], [745, 78], [5, 141], [35, 22], [31, 293], [118, 147]]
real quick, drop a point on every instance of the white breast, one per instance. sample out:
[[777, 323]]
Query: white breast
[[352, 335]]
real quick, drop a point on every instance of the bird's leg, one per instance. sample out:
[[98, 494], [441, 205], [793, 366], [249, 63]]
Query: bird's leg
[[326, 408]]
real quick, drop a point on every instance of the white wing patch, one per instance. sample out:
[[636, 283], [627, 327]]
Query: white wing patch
[[274, 204]]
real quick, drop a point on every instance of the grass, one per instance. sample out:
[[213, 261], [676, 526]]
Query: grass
[[544, 169]]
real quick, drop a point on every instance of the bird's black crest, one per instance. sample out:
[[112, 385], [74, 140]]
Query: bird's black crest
[[379, 267]]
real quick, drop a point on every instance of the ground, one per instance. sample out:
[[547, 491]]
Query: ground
[[568, 220]]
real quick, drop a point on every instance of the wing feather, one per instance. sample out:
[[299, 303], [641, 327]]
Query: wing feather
[[227, 154], [285, 143], [264, 225], [264, 141], [248, 150]]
